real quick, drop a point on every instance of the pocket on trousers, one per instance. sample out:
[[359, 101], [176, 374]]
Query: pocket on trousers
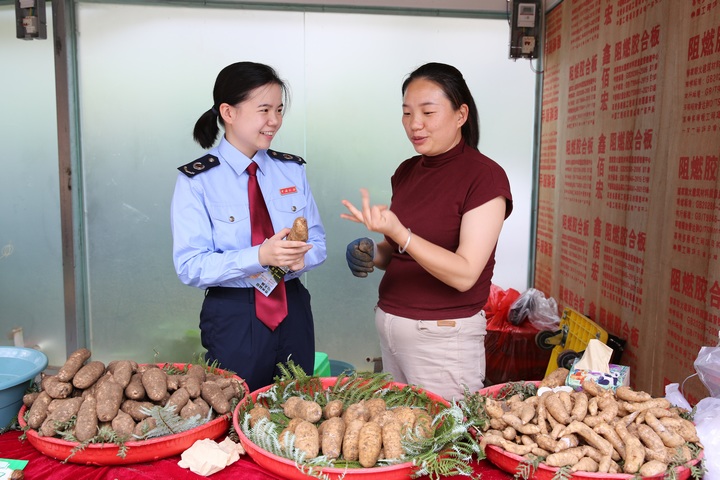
[[439, 328]]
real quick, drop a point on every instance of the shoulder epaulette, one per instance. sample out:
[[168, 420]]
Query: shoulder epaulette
[[202, 164], [286, 156]]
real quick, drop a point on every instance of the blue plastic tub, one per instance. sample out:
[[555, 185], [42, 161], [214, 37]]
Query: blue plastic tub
[[337, 367], [18, 367]]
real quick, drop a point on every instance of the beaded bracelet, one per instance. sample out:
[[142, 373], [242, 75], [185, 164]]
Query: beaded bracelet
[[402, 250]]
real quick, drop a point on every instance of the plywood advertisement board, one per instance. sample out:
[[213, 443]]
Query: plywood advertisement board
[[628, 229]]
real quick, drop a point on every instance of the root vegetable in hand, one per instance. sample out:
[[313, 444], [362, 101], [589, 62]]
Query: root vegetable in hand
[[299, 230]]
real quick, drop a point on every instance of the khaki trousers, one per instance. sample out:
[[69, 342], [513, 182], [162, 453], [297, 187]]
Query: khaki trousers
[[441, 356]]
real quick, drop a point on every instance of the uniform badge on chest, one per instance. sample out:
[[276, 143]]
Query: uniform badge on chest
[[288, 190]]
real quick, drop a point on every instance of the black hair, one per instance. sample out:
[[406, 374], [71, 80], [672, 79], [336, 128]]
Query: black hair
[[233, 85], [453, 85]]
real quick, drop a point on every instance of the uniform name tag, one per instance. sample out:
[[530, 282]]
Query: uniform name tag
[[288, 190]]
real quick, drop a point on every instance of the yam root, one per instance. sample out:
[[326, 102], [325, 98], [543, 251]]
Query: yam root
[[555, 407], [561, 459], [296, 407], [73, 363], [333, 431], [193, 384], [628, 394], [39, 410], [356, 411], [88, 374], [299, 230], [591, 437], [580, 406], [122, 371], [333, 408], [351, 439], [86, 423], [154, 381], [375, 406], [109, 398], [179, 399], [29, 398], [670, 438], [652, 468], [556, 378], [634, 450], [59, 411], [134, 409], [369, 444], [134, 389], [257, 413], [392, 440], [212, 393], [123, 424], [307, 439], [585, 464], [55, 387]]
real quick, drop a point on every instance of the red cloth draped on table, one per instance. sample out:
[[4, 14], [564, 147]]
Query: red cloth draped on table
[[41, 467]]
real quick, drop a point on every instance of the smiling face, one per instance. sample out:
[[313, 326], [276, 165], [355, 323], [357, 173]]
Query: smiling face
[[431, 123], [251, 125]]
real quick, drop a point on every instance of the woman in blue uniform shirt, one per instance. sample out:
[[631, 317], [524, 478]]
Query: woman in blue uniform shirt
[[211, 227]]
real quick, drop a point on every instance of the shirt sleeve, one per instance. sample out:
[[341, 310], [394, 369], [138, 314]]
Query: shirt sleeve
[[197, 261]]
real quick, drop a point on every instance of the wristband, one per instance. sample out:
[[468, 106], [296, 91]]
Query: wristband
[[402, 250]]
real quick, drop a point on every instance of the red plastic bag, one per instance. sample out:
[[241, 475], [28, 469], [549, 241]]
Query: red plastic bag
[[511, 353], [499, 302]]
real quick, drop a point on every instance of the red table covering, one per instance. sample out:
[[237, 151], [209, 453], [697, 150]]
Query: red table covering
[[47, 468]]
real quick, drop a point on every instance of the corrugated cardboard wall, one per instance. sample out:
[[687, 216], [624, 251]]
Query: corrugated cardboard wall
[[629, 195]]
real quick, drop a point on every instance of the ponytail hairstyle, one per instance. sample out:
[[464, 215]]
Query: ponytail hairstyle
[[453, 85], [233, 85]]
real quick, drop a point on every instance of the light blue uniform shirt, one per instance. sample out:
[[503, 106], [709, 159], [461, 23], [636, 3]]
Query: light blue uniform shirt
[[210, 218]]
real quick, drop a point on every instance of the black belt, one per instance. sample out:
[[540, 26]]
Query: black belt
[[245, 292]]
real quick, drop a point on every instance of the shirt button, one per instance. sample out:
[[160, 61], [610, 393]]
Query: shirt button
[[294, 208], [232, 219]]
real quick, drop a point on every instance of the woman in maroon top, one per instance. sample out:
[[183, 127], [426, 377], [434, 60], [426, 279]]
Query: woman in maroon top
[[440, 232]]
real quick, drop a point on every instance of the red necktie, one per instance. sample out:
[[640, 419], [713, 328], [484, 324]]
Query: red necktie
[[271, 310]]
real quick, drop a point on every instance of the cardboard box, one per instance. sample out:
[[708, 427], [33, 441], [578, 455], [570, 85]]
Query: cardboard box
[[619, 375]]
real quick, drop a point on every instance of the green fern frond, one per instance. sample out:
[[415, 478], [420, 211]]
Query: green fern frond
[[563, 473], [525, 470], [167, 422], [105, 435], [698, 471]]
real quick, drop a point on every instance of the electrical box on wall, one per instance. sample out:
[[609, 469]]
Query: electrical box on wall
[[525, 19], [30, 19]]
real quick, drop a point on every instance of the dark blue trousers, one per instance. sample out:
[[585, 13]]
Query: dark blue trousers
[[234, 336]]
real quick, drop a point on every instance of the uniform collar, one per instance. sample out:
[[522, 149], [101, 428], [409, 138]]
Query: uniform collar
[[237, 160]]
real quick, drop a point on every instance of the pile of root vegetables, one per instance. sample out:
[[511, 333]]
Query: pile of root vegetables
[[87, 397], [594, 430], [365, 431], [362, 421]]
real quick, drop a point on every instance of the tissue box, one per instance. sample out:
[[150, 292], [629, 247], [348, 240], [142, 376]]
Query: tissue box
[[619, 375]]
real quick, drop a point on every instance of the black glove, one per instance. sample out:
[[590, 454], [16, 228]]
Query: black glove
[[359, 255]]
